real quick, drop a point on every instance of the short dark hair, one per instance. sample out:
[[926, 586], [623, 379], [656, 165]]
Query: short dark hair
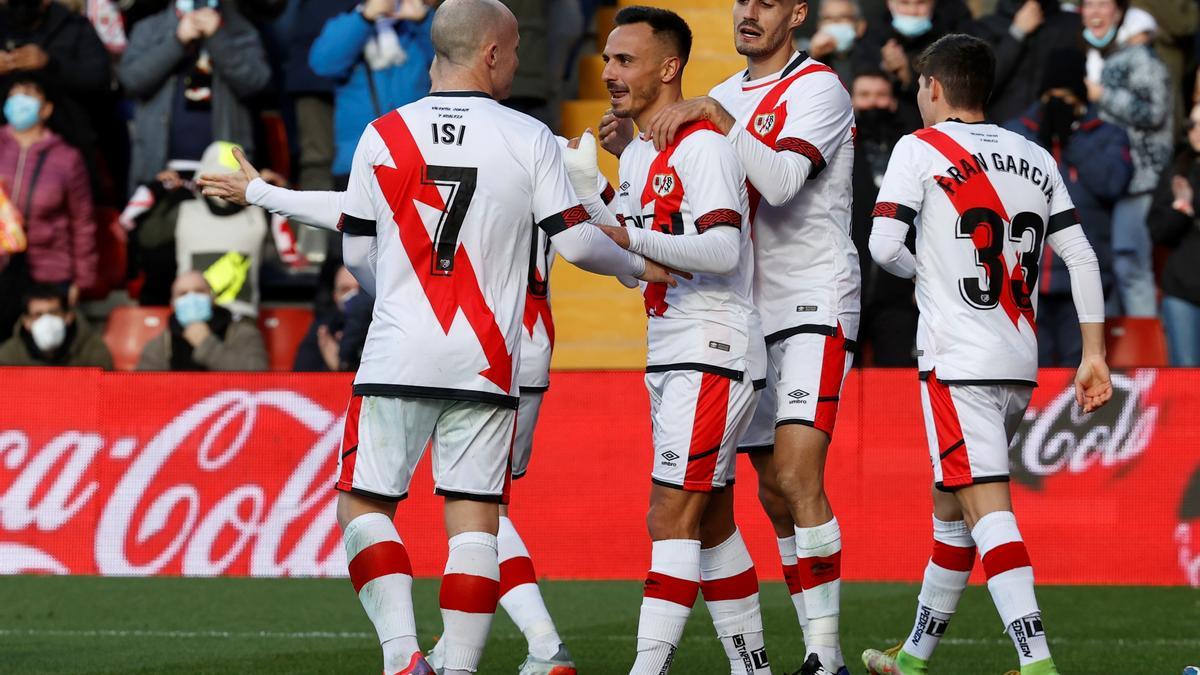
[[44, 292], [965, 66], [29, 79], [662, 22], [869, 72]]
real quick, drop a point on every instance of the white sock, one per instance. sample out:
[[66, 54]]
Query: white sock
[[668, 596], [1010, 581], [520, 595], [819, 557], [791, 575], [946, 576], [730, 587], [382, 577], [470, 591]]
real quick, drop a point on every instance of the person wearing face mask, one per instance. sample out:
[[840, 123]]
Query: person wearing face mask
[[1131, 88], [46, 180], [1093, 158], [201, 335], [49, 333], [1023, 33], [840, 25], [335, 340]]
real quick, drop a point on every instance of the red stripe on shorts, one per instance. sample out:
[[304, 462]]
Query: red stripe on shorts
[[833, 369], [378, 560], [515, 572], [469, 593], [349, 451], [956, 558], [672, 589], [817, 571], [708, 430], [791, 574], [1005, 557], [956, 466], [736, 587]]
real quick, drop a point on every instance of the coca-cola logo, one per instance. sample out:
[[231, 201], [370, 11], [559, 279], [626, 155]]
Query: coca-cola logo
[[187, 501], [1060, 437]]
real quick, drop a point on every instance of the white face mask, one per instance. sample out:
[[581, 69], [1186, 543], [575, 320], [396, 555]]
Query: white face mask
[[49, 331]]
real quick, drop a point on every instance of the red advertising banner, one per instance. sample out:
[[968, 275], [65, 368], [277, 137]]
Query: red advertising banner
[[196, 474]]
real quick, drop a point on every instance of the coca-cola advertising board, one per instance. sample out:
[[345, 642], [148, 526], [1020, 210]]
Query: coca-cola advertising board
[[232, 474]]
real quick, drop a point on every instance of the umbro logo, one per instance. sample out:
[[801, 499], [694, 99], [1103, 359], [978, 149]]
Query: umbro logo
[[625, 186], [797, 395], [669, 458]]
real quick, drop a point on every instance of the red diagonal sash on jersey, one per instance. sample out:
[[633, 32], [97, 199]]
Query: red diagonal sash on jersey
[[978, 191], [402, 187], [536, 306]]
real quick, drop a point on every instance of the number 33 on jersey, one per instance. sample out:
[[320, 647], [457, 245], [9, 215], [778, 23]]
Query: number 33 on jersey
[[987, 199]]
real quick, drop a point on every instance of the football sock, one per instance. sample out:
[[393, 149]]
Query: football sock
[[1010, 581], [382, 578], [470, 591], [668, 596], [791, 574], [520, 595], [946, 576], [819, 557], [730, 587]]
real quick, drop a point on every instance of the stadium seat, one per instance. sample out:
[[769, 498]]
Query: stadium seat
[[283, 330], [712, 27], [128, 330], [112, 243], [1135, 342]]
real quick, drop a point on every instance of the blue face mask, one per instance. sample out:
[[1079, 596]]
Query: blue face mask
[[911, 26], [1100, 42], [192, 308], [22, 111], [843, 34]]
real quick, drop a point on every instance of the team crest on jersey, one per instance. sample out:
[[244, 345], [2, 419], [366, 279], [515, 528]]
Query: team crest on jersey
[[764, 123], [663, 184]]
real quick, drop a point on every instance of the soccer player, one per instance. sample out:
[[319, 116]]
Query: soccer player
[[436, 184], [519, 592], [791, 124], [983, 200], [685, 207]]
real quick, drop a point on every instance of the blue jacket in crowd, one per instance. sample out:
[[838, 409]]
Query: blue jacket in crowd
[[338, 55], [1096, 167]]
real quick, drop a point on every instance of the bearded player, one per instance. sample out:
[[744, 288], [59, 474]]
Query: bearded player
[[790, 122], [983, 201]]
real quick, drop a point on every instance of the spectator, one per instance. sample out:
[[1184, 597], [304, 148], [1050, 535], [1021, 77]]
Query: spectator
[[222, 240], [203, 336], [1131, 89], [48, 184], [50, 333], [191, 71], [46, 40], [379, 55], [1177, 22], [840, 25], [1173, 224], [889, 315], [909, 27], [1093, 158], [1024, 32], [328, 346]]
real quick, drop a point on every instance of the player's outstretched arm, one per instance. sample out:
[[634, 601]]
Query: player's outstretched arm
[[246, 187], [579, 156], [715, 251]]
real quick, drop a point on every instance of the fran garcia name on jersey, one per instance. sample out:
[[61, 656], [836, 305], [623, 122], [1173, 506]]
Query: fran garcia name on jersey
[[980, 163]]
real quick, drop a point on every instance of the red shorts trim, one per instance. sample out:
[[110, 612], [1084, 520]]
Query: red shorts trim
[[708, 431], [349, 449], [956, 466], [829, 390]]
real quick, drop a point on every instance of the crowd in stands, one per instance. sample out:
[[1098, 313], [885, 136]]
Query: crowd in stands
[[111, 108]]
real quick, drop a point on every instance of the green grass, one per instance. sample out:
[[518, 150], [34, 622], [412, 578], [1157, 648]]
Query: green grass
[[98, 625]]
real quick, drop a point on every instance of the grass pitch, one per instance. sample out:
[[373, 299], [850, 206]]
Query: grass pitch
[[97, 625]]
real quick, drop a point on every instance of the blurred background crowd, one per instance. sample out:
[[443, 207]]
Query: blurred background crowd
[[112, 107]]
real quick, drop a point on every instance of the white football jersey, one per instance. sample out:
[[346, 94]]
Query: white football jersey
[[983, 200], [807, 276], [707, 323], [451, 185]]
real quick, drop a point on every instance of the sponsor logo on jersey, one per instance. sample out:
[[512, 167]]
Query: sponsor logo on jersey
[[798, 395], [663, 184], [764, 123], [806, 308], [718, 345]]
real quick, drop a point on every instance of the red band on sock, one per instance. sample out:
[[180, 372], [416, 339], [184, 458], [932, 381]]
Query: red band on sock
[[514, 572], [817, 571], [736, 587], [956, 558], [377, 560], [469, 593], [1005, 557], [671, 589], [791, 574]]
